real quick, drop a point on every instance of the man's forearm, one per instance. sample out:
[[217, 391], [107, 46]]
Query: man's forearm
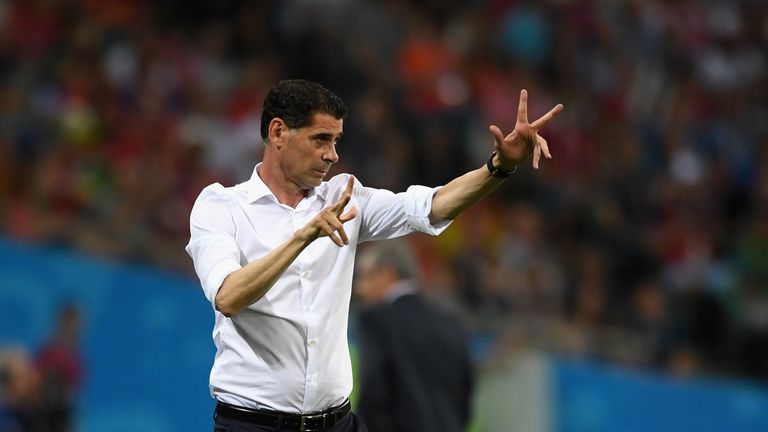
[[247, 285], [460, 193]]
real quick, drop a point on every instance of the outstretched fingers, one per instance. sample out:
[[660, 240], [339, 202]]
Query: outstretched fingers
[[544, 147], [522, 107], [330, 230], [543, 120], [348, 216], [524, 141], [338, 207], [540, 148], [336, 225], [333, 223], [536, 156]]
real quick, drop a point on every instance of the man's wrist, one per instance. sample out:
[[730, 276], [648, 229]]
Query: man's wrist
[[498, 171], [305, 236]]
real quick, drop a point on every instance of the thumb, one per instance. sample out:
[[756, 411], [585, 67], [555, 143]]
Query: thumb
[[497, 135], [496, 132]]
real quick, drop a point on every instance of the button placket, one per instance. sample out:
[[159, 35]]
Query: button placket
[[297, 222]]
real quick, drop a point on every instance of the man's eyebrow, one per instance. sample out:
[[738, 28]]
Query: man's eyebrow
[[326, 135]]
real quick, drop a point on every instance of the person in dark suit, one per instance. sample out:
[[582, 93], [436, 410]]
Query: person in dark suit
[[415, 368]]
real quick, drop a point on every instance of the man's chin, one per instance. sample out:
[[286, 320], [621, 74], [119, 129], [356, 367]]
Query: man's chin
[[314, 182]]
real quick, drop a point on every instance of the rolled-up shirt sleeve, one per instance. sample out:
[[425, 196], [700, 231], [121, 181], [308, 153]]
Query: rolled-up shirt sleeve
[[418, 206], [212, 244], [389, 215]]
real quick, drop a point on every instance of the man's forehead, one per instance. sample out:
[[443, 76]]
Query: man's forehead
[[323, 122]]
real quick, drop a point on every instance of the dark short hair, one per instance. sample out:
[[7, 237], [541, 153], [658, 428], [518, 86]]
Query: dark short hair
[[296, 101]]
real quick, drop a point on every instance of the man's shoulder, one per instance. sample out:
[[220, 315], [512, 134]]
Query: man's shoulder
[[218, 193], [335, 186]]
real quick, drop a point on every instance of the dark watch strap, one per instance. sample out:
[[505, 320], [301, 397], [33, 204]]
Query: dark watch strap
[[498, 172]]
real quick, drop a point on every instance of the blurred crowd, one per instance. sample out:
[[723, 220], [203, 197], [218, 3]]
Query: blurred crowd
[[38, 393], [644, 241]]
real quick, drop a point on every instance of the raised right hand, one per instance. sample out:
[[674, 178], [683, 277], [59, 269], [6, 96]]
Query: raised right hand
[[329, 222]]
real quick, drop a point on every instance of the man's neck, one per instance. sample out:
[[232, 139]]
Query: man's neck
[[286, 192]]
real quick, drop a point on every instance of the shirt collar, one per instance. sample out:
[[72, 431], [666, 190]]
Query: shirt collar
[[258, 189], [256, 186], [399, 289]]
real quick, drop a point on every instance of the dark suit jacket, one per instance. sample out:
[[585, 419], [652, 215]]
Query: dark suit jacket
[[415, 369]]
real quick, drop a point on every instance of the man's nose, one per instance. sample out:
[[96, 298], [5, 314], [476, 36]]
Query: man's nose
[[331, 155]]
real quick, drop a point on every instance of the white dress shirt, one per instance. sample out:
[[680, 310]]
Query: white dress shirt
[[288, 351]]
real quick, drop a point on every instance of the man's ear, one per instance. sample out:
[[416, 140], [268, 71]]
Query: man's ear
[[277, 132]]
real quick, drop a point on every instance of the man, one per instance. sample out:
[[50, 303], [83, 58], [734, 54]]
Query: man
[[61, 368], [275, 256], [415, 369], [22, 407]]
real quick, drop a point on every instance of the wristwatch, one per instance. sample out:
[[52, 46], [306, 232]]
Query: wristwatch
[[498, 172]]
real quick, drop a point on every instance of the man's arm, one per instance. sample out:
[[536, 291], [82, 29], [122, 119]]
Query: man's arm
[[248, 284], [460, 193], [511, 150]]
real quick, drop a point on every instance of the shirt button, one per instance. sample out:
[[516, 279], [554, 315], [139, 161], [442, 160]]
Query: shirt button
[[312, 342], [313, 378], [305, 274], [306, 308]]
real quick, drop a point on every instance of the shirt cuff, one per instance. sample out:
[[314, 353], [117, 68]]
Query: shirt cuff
[[417, 209], [216, 277]]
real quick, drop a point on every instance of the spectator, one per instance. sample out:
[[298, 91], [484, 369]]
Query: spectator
[[61, 369], [21, 402], [416, 372]]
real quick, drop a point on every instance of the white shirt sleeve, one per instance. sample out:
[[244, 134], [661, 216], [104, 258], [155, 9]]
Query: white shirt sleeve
[[212, 244], [387, 215]]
